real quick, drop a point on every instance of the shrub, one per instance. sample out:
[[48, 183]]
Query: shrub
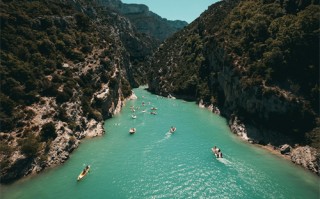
[[83, 22], [46, 47], [62, 97], [48, 132], [86, 49], [62, 115], [74, 55], [30, 146]]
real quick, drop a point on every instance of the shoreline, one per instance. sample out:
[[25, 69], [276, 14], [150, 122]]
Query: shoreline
[[270, 149], [309, 164]]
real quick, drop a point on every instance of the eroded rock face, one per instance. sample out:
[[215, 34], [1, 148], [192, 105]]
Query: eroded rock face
[[307, 157], [79, 94], [238, 128], [202, 62], [145, 20]]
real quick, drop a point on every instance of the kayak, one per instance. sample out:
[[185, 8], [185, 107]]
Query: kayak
[[83, 173]]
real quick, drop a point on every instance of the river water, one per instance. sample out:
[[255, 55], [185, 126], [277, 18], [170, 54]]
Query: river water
[[153, 163]]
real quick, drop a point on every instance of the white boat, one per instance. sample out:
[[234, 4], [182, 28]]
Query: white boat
[[133, 116], [84, 173], [217, 152], [132, 130], [173, 129]]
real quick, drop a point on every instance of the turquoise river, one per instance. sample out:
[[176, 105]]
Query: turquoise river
[[153, 163]]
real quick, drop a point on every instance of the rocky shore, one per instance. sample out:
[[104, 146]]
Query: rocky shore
[[305, 156]]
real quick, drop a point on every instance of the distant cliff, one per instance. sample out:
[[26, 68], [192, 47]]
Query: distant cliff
[[258, 62], [145, 20], [66, 66]]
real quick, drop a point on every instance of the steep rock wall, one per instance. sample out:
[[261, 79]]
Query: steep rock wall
[[144, 20], [223, 60], [80, 72]]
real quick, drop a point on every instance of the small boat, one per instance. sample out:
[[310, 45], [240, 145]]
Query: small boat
[[154, 108], [153, 113], [133, 116], [132, 130], [84, 172], [217, 152], [173, 129]]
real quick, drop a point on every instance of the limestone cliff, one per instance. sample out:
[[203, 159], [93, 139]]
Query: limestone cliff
[[239, 57], [66, 66], [145, 20]]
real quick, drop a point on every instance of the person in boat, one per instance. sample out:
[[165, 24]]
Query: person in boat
[[215, 149], [172, 129], [217, 152], [85, 169], [132, 130]]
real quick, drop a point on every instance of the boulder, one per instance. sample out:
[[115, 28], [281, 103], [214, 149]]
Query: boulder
[[285, 149], [307, 157]]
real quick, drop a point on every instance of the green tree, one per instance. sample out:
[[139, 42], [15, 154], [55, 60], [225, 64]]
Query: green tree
[[83, 21], [30, 146], [48, 132]]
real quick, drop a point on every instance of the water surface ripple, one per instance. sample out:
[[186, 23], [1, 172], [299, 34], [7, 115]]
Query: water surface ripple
[[153, 163]]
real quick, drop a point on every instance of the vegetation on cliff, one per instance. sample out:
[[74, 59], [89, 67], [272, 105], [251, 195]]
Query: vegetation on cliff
[[258, 60], [63, 64]]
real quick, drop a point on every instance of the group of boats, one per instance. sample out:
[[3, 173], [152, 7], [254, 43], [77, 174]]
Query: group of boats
[[133, 130], [216, 151], [134, 116]]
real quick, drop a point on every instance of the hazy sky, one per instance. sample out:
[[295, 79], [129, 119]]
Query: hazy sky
[[186, 10]]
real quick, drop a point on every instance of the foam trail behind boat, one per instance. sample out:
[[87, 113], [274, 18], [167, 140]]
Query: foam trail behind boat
[[224, 161], [167, 136]]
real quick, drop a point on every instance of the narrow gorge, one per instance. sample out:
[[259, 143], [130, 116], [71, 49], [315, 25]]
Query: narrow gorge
[[67, 66], [258, 64]]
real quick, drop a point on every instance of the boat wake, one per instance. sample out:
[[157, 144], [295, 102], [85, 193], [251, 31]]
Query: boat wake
[[224, 161], [167, 136]]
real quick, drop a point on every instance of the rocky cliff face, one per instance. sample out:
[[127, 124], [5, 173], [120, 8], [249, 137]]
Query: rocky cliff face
[[145, 20], [235, 57], [66, 67]]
